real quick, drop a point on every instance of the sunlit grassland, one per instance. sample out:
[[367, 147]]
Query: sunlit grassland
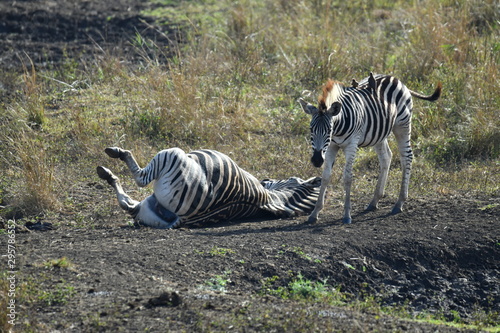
[[232, 85]]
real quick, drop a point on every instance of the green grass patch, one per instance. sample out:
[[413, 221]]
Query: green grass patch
[[300, 289], [59, 295], [218, 282], [58, 263], [220, 251]]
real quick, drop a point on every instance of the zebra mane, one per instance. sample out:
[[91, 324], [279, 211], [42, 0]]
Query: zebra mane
[[331, 91]]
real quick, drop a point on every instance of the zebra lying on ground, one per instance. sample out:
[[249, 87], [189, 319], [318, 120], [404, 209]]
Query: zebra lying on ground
[[360, 116], [206, 185]]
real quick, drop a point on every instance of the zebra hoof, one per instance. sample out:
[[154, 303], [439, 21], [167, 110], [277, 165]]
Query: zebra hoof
[[106, 174], [346, 220], [103, 173], [312, 219], [113, 152], [371, 208], [396, 210]]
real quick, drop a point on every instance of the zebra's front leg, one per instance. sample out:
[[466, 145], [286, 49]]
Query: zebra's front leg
[[384, 157], [350, 155], [148, 212], [330, 156]]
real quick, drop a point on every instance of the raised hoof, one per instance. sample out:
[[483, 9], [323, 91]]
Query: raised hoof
[[104, 173], [346, 220], [113, 152], [312, 219], [371, 208]]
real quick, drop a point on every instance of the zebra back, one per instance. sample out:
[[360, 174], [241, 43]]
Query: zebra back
[[370, 109]]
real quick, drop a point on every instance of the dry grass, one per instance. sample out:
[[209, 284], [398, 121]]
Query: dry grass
[[233, 85], [32, 103]]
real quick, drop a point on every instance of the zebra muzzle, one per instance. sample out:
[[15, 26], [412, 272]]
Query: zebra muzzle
[[317, 158]]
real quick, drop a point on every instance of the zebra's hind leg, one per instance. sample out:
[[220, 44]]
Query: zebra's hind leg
[[384, 157], [125, 202], [406, 154]]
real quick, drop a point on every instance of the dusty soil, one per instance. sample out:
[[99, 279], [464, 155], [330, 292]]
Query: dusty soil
[[440, 256], [49, 31]]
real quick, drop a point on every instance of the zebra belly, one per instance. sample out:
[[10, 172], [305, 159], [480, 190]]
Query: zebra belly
[[368, 142]]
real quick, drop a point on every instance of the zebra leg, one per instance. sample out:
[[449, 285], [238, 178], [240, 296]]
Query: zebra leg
[[384, 157], [125, 202], [148, 212], [350, 155], [406, 154], [128, 158], [330, 156]]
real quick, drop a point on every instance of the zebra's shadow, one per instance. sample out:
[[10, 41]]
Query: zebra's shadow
[[251, 226], [272, 225]]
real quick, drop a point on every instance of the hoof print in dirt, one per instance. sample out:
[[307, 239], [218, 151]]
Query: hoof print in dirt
[[165, 299]]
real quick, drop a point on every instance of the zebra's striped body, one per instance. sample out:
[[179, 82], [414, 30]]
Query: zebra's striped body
[[206, 185], [361, 116]]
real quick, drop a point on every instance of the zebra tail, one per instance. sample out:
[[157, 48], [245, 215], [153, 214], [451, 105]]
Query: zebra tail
[[431, 98]]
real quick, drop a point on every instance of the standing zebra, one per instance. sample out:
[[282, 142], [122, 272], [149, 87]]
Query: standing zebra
[[360, 116], [206, 185]]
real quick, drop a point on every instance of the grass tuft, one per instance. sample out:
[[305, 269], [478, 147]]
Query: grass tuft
[[33, 103], [58, 263]]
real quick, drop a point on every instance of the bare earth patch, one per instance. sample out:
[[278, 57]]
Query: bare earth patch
[[437, 257]]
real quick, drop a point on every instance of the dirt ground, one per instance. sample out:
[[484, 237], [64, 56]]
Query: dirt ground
[[440, 256], [50, 31]]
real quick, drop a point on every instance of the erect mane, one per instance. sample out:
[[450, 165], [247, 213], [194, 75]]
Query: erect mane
[[331, 91]]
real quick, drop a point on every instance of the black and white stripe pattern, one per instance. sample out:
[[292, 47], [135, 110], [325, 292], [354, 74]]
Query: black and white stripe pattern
[[206, 185], [360, 116]]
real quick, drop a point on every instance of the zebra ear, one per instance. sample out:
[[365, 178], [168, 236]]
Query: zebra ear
[[372, 83], [335, 109], [313, 182], [307, 107]]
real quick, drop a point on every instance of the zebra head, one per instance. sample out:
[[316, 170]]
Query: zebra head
[[322, 120]]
